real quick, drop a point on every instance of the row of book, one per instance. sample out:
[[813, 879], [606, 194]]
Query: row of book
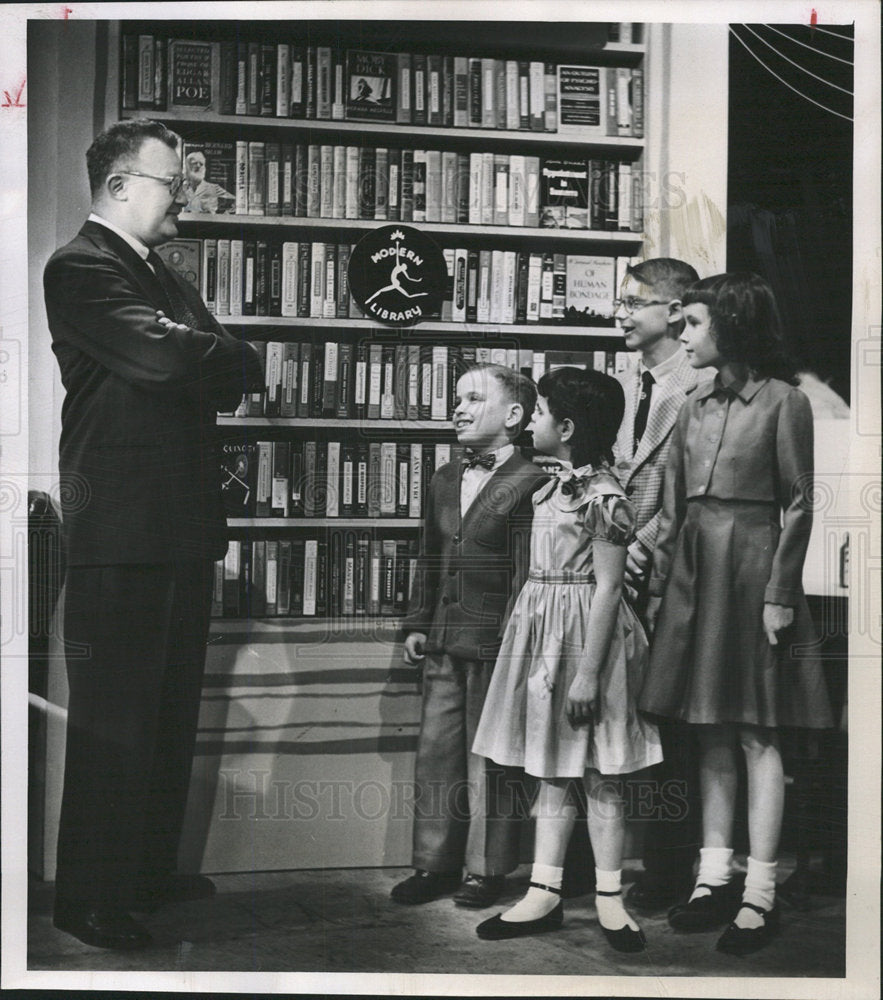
[[324, 83], [317, 478], [258, 277], [373, 381], [389, 184], [341, 574]]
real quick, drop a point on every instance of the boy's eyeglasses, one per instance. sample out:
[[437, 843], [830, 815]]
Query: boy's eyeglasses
[[174, 184], [630, 303]]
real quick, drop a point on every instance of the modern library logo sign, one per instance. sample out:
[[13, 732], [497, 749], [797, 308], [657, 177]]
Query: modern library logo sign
[[397, 275]]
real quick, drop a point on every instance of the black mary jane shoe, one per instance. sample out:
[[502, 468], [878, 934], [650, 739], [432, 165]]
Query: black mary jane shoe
[[624, 938], [497, 929], [737, 940], [719, 906]]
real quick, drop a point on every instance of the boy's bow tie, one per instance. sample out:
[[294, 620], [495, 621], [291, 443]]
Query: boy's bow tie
[[470, 460]]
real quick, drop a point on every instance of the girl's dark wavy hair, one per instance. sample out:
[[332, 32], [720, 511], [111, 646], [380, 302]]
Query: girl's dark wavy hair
[[745, 322], [594, 402]]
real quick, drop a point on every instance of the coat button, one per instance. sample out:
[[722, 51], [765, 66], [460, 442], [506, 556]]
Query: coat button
[[446, 599], [455, 539]]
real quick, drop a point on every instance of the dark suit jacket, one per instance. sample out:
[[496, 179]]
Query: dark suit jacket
[[466, 566], [139, 456]]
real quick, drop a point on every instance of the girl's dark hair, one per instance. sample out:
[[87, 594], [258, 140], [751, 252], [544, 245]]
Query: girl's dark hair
[[594, 402], [745, 322]]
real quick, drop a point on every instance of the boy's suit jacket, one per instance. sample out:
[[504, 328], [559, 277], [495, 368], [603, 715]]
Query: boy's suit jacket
[[642, 475], [139, 455], [466, 567]]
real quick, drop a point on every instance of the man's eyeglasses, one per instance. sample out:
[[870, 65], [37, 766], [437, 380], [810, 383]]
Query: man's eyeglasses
[[174, 184], [630, 303]]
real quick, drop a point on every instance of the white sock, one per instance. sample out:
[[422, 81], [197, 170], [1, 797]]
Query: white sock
[[760, 889], [715, 868], [537, 902], [612, 914]]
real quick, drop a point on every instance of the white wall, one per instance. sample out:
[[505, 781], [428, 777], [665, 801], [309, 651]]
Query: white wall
[[61, 106], [62, 111], [685, 159]]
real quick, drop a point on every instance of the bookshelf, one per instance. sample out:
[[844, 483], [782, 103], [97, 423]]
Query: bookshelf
[[493, 48], [322, 701]]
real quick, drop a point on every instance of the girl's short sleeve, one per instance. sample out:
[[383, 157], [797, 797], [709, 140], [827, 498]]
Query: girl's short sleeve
[[611, 519]]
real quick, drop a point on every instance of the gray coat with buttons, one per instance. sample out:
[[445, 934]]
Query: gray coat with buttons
[[468, 565]]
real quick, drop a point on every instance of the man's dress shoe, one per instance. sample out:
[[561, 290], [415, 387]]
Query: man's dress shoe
[[480, 890], [102, 928], [424, 887]]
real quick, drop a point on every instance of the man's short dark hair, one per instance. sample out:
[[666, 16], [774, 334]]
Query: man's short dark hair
[[669, 278], [122, 140]]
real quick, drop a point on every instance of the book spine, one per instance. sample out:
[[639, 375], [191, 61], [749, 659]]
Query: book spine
[[256, 195], [241, 106], [241, 177], [351, 193], [296, 108], [403, 92], [461, 92], [283, 80], [269, 70], [338, 86], [332, 473], [326, 182]]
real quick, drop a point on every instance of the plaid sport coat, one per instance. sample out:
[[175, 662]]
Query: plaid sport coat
[[642, 472]]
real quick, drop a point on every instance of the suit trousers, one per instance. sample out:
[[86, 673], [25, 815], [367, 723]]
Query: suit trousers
[[673, 836], [452, 825], [135, 639]]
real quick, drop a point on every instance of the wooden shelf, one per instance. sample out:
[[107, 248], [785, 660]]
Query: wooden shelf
[[466, 330], [602, 237], [281, 624], [392, 132], [324, 522], [311, 423]]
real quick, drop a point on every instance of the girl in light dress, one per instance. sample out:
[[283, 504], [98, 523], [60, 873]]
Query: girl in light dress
[[562, 699]]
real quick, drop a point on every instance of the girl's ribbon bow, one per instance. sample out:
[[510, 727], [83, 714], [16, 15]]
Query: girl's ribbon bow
[[572, 479]]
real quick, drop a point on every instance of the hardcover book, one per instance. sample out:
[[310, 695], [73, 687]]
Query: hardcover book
[[370, 91], [582, 100], [190, 68], [590, 289]]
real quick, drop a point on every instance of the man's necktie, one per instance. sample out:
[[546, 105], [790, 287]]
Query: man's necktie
[[471, 460], [182, 312], [647, 383]]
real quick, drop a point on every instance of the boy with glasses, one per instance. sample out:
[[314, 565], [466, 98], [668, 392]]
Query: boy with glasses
[[651, 318]]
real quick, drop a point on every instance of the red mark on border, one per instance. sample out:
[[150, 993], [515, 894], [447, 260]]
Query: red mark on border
[[67, 11], [14, 102], [814, 18]]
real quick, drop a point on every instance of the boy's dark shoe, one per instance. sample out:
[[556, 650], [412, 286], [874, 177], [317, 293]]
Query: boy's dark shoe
[[649, 894], [101, 927], [424, 887], [710, 911], [478, 891]]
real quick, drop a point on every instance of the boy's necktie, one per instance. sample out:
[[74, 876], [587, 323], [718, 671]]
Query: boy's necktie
[[471, 460], [647, 383], [182, 312]]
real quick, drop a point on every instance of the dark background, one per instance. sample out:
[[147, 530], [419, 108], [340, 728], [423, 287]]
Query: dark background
[[789, 216]]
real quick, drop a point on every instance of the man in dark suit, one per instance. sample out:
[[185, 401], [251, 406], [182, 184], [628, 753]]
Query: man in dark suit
[[477, 520], [146, 368]]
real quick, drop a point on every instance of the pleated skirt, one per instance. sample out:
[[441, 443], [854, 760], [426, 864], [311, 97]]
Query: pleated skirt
[[710, 659]]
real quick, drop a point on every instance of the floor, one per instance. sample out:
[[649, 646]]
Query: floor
[[342, 920]]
